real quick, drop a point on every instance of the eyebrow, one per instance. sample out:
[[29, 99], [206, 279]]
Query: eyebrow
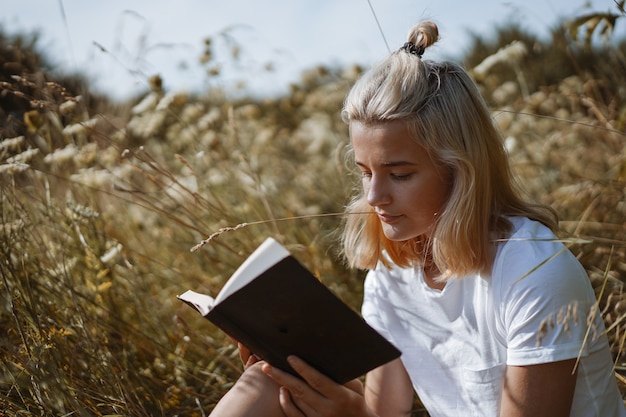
[[391, 164]]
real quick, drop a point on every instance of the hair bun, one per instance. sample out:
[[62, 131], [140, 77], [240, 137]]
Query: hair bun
[[423, 35]]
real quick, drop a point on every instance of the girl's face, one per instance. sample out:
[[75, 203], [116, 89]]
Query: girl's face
[[400, 180]]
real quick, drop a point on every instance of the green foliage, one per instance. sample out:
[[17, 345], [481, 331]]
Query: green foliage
[[101, 206]]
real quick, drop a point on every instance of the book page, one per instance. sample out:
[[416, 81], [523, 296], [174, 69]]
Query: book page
[[201, 302], [263, 258]]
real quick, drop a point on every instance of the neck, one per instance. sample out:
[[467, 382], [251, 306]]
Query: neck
[[431, 276]]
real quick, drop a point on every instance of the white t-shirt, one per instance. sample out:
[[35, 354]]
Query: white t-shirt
[[534, 308]]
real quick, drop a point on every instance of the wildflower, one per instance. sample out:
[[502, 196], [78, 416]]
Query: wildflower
[[109, 157], [192, 112], [63, 268], [24, 157], [147, 125], [209, 139], [68, 106], [216, 177], [61, 156], [12, 227], [171, 100], [93, 178], [505, 93], [510, 143], [86, 155], [11, 143], [511, 54], [185, 137], [78, 128], [149, 102], [111, 253], [313, 133], [209, 119], [81, 211], [13, 168], [119, 136]]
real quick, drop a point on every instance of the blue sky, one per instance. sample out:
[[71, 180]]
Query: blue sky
[[144, 37]]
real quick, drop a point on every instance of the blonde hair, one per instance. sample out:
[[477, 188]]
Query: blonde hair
[[445, 114]]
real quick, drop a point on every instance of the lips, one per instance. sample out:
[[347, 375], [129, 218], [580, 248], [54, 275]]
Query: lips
[[388, 218]]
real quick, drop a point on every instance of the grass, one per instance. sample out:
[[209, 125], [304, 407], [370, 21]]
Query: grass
[[100, 211]]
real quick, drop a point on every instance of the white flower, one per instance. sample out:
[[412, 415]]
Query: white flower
[[511, 54], [149, 102], [209, 119], [60, 156], [13, 168], [68, 106], [146, 125], [93, 178], [171, 99], [111, 253], [510, 143], [24, 157], [192, 112], [12, 143], [78, 128]]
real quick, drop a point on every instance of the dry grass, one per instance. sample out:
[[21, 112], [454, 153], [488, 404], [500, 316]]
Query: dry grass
[[100, 210]]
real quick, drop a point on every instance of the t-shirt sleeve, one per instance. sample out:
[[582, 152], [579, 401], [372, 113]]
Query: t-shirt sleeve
[[546, 302]]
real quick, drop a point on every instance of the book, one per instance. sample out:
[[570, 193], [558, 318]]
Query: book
[[276, 307]]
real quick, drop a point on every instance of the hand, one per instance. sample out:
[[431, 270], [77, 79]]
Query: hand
[[317, 395], [247, 358]]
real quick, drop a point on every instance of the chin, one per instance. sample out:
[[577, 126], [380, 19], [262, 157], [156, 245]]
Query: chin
[[399, 236]]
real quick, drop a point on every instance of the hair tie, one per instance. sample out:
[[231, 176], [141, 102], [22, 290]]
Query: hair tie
[[409, 47]]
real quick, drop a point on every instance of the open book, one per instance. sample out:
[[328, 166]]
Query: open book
[[275, 307]]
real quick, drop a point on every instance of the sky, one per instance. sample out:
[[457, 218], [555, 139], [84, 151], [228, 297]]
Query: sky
[[119, 44]]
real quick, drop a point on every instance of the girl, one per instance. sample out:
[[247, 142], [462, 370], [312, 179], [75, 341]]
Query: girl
[[466, 278]]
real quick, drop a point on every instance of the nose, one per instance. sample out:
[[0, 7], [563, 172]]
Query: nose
[[376, 192]]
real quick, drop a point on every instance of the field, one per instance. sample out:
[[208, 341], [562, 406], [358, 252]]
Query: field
[[109, 210]]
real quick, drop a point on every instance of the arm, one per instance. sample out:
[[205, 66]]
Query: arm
[[317, 395], [544, 390], [388, 390]]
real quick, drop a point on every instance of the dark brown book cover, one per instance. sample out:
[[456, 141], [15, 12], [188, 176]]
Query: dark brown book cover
[[285, 310]]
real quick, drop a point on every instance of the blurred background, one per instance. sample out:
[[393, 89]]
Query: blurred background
[[118, 44], [147, 149]]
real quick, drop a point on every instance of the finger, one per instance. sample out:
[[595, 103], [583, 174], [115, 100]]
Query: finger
[[252, 359], [299, 391], [283, 378], [355, 385], [287, 404], [316, 380], [244, 354]]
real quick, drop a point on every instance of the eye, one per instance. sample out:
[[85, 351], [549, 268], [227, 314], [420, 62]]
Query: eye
[[401, 177], [365, 173]]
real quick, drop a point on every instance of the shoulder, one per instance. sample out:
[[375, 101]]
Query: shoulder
[[542, 296], [533, 251], [535, 274]]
